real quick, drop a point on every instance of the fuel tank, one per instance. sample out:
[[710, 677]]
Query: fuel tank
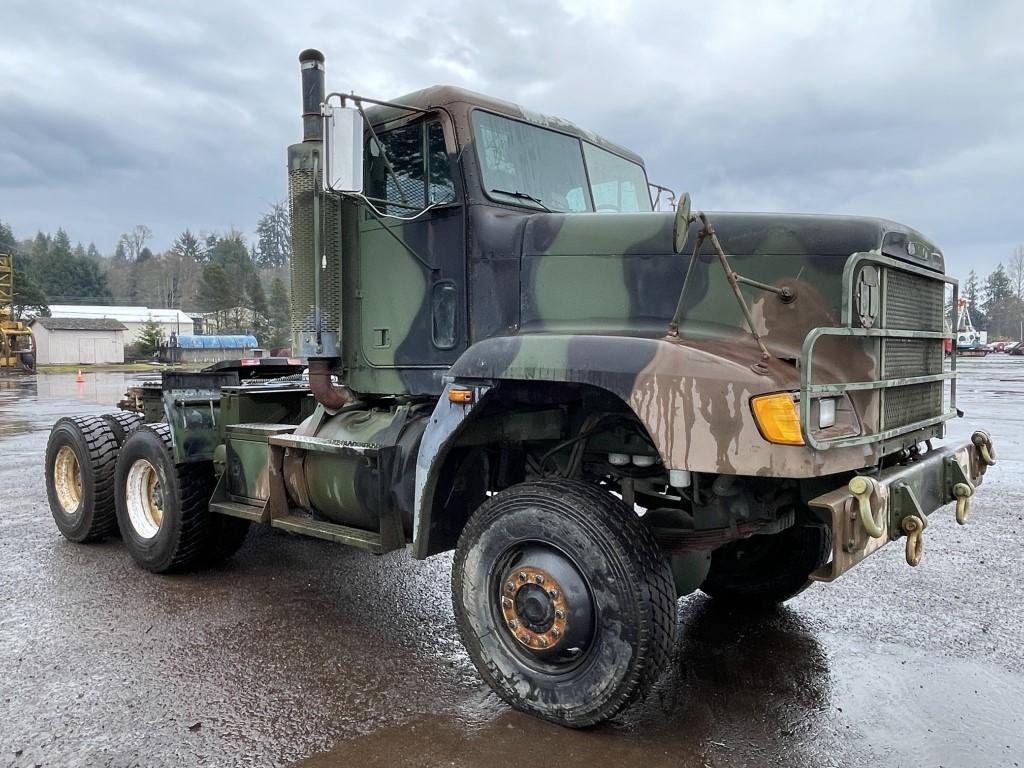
[[354, 487]]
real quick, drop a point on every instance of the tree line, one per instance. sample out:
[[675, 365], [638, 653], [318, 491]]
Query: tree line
[[240, 288], [997, 303]]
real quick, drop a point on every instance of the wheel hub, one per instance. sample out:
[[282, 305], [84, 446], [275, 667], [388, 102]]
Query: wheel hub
[[67, 479], [144, 499], [534, 606]]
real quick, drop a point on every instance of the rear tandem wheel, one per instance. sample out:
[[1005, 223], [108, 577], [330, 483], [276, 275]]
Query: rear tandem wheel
[[80, 457], [163, 507]]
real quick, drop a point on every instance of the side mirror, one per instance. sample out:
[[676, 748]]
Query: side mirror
[[682, 223], [343, 149]]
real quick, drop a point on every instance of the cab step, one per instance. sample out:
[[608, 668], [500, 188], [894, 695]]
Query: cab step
[[343, 534], [238, 509]]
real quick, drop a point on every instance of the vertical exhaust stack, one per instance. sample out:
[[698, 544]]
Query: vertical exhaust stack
[[312, 63], [315, 230]]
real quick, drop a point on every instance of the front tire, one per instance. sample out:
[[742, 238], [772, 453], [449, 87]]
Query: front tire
[[768, 570], [162, 507], [563, 601]]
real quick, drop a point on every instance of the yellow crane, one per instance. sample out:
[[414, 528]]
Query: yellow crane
[[16, 348]]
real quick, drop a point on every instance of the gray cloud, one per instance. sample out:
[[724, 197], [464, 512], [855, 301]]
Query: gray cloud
[[177, 115]]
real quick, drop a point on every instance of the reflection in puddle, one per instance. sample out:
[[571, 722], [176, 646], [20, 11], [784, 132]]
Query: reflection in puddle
[[740, 685]]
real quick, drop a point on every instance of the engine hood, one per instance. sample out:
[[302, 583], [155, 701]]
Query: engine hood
[[618, 273]]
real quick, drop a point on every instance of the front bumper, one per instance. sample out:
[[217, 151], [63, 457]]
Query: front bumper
[[896, 503]]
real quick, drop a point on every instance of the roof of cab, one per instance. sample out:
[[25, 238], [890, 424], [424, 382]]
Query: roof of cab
[[448, 95]]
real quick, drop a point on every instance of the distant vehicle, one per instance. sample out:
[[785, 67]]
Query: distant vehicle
[[1015, 349], [1000, 346]]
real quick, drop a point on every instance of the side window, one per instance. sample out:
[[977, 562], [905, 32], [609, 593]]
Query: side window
[[419, 172], [442, 188]]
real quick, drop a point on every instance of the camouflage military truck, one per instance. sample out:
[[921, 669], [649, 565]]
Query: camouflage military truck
[[502, 349]]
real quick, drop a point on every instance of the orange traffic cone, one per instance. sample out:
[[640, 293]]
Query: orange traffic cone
[[79, 379]]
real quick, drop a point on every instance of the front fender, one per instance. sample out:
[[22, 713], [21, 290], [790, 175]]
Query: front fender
[[693, 396]]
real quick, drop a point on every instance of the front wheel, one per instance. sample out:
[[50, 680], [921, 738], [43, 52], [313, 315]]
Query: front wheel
[[768, 569], [563, 601]]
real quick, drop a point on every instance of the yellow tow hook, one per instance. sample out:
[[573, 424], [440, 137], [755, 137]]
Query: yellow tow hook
[[913, 526], [983, 442], [963, 493], [863, 488]]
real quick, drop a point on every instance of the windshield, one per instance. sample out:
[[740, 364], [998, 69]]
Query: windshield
[[528, 165]]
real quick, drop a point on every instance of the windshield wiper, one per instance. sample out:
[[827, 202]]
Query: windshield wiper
[[523, 196]]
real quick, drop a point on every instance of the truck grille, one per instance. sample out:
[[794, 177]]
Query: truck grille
[[911, 357], [913, 302], [911, 403]]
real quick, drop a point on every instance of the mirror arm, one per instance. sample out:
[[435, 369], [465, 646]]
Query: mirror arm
[[383, 152]]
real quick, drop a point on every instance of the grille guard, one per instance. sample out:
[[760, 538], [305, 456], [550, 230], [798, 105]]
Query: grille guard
[[809, 391]]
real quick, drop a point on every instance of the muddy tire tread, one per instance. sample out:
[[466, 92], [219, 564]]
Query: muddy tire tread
[[195, 483], [123, 424], [101, 447], [605, 514]]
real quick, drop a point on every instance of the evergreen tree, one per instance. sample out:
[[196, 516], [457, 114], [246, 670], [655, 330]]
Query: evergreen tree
[[29, 298], [7, 242], [187, 246], [257, 303], [280, 330], [217, 294], [150, 338], [273, 237]]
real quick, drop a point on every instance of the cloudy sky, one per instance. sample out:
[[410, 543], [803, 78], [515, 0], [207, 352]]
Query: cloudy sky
[[177, 114]]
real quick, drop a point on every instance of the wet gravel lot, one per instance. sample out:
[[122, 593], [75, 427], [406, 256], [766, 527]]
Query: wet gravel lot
[[298, 651]]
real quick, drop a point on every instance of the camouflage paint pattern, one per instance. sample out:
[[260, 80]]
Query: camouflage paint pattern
[[587, 298]]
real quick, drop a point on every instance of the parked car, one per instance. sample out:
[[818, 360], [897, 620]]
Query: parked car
[[1015, 349]]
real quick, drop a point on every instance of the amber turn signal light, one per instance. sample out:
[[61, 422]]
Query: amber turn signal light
[[777, 418], [460, 395]]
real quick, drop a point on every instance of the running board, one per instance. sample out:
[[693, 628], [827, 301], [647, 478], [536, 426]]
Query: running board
[[237, 509], [343, 534]]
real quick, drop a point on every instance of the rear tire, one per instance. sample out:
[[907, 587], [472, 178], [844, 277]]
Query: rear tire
[[123, 424], [563, 601], [80, 458], [767, 570], [162, 507]]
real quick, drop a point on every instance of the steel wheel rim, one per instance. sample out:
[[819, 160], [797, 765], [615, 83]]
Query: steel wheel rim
[[573, 611], [144, 499], [67, 480]]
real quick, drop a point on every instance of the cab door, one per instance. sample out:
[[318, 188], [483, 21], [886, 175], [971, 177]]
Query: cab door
[[412, 251]]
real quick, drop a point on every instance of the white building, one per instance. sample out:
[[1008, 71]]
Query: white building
[[133, 318], [77, 341]]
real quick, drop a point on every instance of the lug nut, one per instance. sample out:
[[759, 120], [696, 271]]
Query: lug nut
[[525, 639], [510, 587], [539, 579], [522, 575], [513, 623], [556, 633], [552, 593], [559, 614], [506, 603], [542, 642]]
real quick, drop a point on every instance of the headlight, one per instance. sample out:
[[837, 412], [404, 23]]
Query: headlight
[[826, 412]]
